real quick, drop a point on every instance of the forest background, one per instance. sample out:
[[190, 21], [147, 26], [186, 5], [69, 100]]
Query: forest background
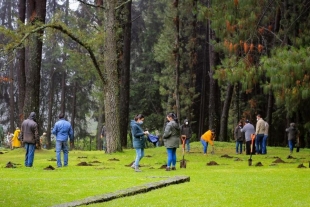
[[212, 62]]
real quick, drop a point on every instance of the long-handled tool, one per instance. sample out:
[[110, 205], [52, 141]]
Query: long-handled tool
[[183, 162], [252, 138], [212, 152]]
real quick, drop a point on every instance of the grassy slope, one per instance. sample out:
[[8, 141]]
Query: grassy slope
[[231, 183]]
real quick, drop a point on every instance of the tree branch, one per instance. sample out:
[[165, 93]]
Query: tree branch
[[92, 5], [64, 30], [122, 4]]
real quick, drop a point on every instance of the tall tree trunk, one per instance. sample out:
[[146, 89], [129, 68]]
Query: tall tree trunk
[[176, 53], [111, 88], [21, 76], [224, 117], [73, 110], [125, 76], [36, 10], [99, 127], [50, 109]]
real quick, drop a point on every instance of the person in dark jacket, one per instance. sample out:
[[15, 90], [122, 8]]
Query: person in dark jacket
[[138, 139], [30, 137], [186, 131], [171, 138], [62, 130], [239, 138], [292, 132]]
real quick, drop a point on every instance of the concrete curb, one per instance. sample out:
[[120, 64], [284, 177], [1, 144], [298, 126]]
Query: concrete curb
[[127, 192]]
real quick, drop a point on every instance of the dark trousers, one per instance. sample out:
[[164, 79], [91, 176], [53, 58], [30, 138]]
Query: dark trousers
[[248, 147]]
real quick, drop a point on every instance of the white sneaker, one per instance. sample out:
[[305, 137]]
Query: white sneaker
[[133, 166]]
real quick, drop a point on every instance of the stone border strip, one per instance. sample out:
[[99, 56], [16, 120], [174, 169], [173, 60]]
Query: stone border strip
[[127, 192]]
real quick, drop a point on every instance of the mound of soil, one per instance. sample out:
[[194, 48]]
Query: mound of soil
[[82, 157], [290, 157], [52, 159], [301, 166], [49, 168], [212, 163], [259, 164], [273, 164], [113, 159], [10, 165], [84, 164], [96, 161], [1, 153], [227, 156], [163, 167], [278, 160], [130, 164], [148, 156], [151, 168], [238, 159]]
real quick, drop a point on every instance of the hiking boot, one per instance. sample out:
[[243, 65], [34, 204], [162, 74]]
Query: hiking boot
[[167, 168], [173, 168], [138, 170]]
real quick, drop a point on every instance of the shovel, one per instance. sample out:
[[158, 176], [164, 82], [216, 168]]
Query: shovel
[[183, 162], [212, 152], [250, 160]]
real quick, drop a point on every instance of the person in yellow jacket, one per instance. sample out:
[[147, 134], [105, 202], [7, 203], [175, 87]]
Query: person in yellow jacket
[[207, 138], [15, 141]]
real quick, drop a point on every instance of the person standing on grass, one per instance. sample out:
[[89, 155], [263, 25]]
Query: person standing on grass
[[292, 133], [264, 143], [138, 139], [260, 130], [186, 131], [62, 130], [207, 138], [30, 137], [171, 139], [248, 129], [239, 138], [15, 140]]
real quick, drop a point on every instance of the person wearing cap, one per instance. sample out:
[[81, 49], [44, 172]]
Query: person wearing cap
[[292, 133], [43, 140], [15, 141], [248, 130], [207, 138], [62, 130]]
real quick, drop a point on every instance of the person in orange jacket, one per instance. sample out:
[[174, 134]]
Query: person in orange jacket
[[207, 138]]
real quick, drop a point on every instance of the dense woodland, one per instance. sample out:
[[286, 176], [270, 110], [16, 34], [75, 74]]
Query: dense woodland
[[212, 62]]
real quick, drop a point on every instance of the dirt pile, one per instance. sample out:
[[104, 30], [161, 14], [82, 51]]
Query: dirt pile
[[278, 160], [259, 164], [227, 156], [238, 159], [113, 159], [10, 165], [301, 166], [52, 159], [212, 163], [163, 167], [84, 164], [96, 161], [49, 168]]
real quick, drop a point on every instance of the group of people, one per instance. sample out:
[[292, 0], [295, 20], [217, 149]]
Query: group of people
[[28, 135], [171, 138], [256, 138]]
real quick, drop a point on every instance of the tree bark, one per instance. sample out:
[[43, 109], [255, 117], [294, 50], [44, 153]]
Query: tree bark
[[50, 109], [73, 111], [125, 76], [111, 88], [36, 10], [224, 118]]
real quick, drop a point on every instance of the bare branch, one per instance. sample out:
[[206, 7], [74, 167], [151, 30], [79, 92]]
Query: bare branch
[[92, 5], [123, 4]]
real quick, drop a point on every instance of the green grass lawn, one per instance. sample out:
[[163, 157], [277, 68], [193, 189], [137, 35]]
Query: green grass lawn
[[231, 183]]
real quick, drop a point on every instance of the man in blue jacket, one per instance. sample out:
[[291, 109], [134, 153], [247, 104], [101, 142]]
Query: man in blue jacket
[[62, 130]]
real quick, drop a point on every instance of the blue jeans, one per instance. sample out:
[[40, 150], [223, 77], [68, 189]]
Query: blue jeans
[[172, 157], [139, 155], [258, 143], [62, 146], [291, 144], [187, 145], [205, 145], [30, 148], [264, 144], [239, 145]]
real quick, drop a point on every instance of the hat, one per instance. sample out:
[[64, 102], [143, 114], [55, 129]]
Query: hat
[[247, 121]]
